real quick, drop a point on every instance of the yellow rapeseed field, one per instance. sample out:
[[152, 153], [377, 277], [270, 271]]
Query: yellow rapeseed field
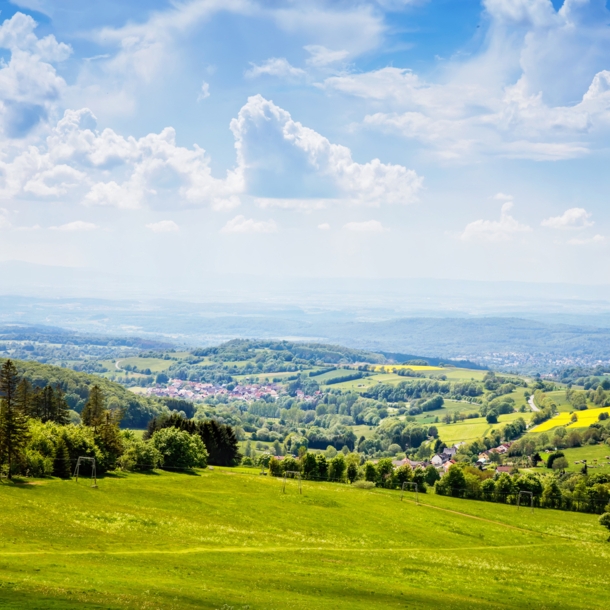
[[585, 419]]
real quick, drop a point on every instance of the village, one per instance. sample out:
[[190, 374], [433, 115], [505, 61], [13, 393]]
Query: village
[[197, 391]]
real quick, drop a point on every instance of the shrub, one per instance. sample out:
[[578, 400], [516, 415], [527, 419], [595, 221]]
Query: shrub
[[363, 484], [180, 449], [36, 465], [141, 455]]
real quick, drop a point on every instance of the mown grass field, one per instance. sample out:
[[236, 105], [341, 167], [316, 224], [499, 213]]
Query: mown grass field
[[471, 429], [176, 541]]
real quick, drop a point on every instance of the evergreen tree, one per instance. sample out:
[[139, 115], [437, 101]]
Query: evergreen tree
[[46, 404], [25, 397], [62, 467], [13, 423], [108, 438], [61, 410], [93, 412]]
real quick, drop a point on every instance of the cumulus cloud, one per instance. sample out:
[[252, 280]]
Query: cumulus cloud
[[538, 89], [584, 241], [282, 159], [30, 88], [495, 230], [275, 66], [324, 226], [103, 168], [76, 226], [368, 226], [241, 224], [574, 218], [163, 226]]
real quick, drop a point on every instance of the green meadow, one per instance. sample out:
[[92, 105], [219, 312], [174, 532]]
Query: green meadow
[[227, 538], [596, 456]]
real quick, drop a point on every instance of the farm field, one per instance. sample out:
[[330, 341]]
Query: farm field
[[390, 368], [585, 419], [559, 398], [156, 365], [225, 537], [471, 429], [589, 453]]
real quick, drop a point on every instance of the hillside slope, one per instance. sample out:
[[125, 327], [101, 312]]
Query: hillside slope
[[138, 409], [176, 541]]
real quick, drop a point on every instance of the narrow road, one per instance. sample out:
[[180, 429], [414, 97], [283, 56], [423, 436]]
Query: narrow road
[[530, 400], [118, 368]]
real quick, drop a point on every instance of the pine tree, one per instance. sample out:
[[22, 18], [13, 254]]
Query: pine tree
[[25, 397], [46, 405], [62, 466], [13, 423], [108, 437], [61, 410], [93, 412]]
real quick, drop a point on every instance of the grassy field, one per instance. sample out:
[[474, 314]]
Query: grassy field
[[470, 429], [559, 398], [177, 541], [585, 419], [594, 454], [390, 368], [156, 365]]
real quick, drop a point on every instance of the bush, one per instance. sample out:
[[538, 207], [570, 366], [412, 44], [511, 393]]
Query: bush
[[180, 449], [36, 465], [363, 484], [141, 455]]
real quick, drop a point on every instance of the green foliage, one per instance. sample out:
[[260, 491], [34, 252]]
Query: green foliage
[[138, 410], [337, 467], [180, 450], [62, 466], [13, 424]]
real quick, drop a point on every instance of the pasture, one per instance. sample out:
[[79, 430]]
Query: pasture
[[204, 540], [596, 456]]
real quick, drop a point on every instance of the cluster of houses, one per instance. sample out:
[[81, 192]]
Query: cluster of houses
[[193, 390], [443, 461]]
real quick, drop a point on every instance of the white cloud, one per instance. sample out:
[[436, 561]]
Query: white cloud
[[596, 239], [324, 226], [241, 224], [368, 226], [355, 27], [503, 197], [321, 56], [282, 159], [305, 205], [30, 88], [81, 164], [574, 218], [495, 230], [163, 226], [204, 93], [539, 88], [17, 34], [275, 66], [76, 226]]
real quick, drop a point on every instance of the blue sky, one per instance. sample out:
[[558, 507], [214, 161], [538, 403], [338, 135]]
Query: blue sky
[[388, 138]]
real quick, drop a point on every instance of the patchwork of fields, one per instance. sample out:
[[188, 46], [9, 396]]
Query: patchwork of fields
[[177, 541]]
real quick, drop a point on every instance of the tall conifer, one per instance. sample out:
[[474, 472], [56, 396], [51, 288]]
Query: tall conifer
[[13, 423], [93, 412]]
